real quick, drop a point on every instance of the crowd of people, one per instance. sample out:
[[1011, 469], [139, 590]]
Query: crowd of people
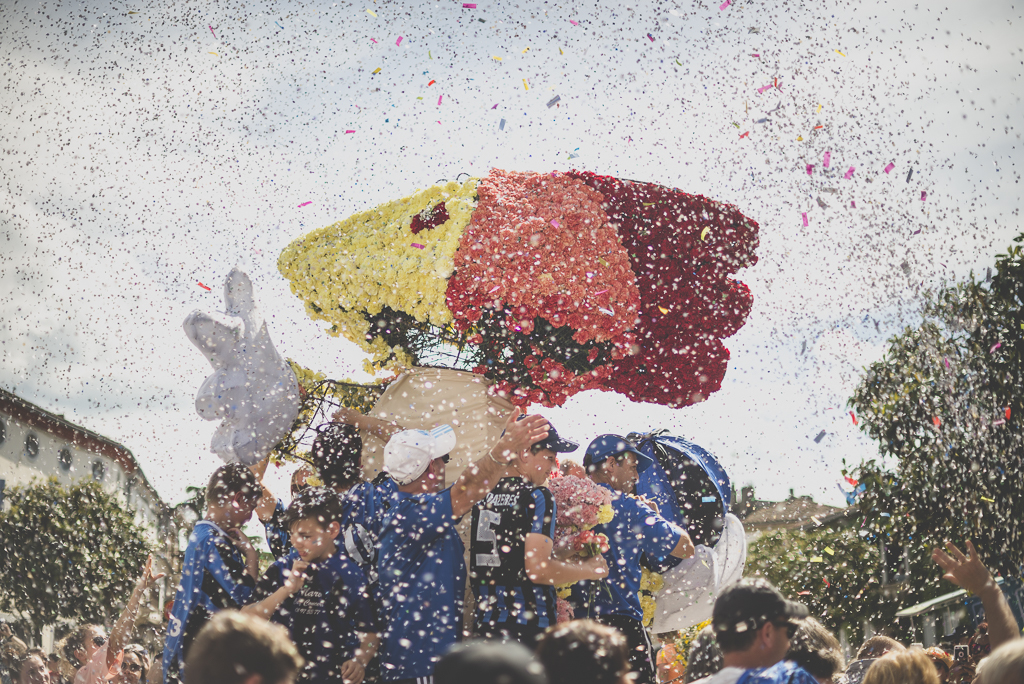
[[369, 584]]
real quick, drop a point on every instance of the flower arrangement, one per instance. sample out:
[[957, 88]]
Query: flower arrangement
[[650, 584], [580, 505], [547, 284]]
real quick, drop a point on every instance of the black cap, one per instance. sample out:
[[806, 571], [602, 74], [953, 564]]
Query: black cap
[[749, 604], [336, 453], [553, 442], [489, 662]]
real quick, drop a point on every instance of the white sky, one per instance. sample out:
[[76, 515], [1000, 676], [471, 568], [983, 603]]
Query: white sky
[[136, 163]]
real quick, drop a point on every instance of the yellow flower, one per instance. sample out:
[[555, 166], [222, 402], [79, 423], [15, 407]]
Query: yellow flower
[[564, 591], [605, 514], [372, 259], [648, 604]]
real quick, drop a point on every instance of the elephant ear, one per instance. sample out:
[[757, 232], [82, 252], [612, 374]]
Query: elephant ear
[[241, 302], [214, 333]]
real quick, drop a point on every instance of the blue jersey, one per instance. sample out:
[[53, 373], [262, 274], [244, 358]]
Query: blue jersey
[[784, 672], [635, 529], [213, 578], [278, 538], [422, 583], [325, 615]]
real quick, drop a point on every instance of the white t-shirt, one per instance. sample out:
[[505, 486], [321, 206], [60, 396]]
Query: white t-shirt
[[727, 675]]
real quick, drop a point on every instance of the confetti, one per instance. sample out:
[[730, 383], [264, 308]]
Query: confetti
[[555, 223], [724, 5], [373, 41], [553, 101], [821, 436], [936, 421], [651, 37], [525, 84], [995, 346], [827, 160], [924, 195], [214, 34], [708, 499], [830, 551], [495, 106], [909, 174], [439, 100], [764, 88], [501, 126], [133, 13], [214, 53], [663, 310], [601, 292], [279, 26], [840, 53], [803, 593], [945, 361], [417, 245], [432, 83], [806, 224], [574, 23], [849, 174], [1007, 413], [853, 204], [810, 169], [305, 203], [745, 134], [704, 233], [349, 131], [399, 41], [985, 498], [755, 54], [853, 418], [890, 167], [525, 49], [203, 286], [469, 5], [377, 70], [817, 559], [371, 13], [497, 58]]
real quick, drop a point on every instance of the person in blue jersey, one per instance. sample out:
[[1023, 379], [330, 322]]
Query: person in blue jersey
[[319, 594], [753, 625], [637, 528], [220, 566], [421, 568], [512, 568]]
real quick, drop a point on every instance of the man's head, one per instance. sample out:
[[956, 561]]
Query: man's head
[[234, 490], [484, 662], [816, 649], [616, 462], [415, 459], [337, 455], [877, 646], [241, 649], [753, 623], [537, 463], [313, 521], [584, 652]]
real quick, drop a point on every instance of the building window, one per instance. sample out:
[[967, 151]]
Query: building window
[[99, 470], [32, 445], [64, 459]]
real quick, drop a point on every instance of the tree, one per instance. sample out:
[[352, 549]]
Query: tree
[[945, 408], [834, 572], [67, 552]]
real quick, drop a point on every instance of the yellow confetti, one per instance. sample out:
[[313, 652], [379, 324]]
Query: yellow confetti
[[829, 551], [663, 310], [817, 559], [560, 51], [377, 70], [985, 498], [704, 233], [371, 13], [497, 58], [133, 13], [601, 261], [819, 108], [840, 53], [527, 48], [214, 53], [525, 84], [799, 138]]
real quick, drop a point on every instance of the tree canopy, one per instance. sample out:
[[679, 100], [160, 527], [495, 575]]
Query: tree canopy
[[945, 408], [67, 552]]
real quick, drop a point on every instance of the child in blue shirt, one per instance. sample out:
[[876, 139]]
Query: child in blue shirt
[[220, 566], [319, 594]]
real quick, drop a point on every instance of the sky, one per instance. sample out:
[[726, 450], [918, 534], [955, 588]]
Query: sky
[[146, 149]]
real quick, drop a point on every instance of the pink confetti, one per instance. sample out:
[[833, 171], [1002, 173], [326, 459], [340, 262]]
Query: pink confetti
[[924, 195], [555, 223], [651, 37], [373, 40], [574, 23], [349, 131], [767, 87], [998, 422], [724, 5], [890, 167], [805, 218], [214, 34], [995, 346], [810, 169], [305, 203], [849, 174], [417, 245], [469, 5], [945, 361], [756, 55], [439, 97], [601, 292], [494, 107], [494, 289], [399, 41], [828, 159], [853, 204]]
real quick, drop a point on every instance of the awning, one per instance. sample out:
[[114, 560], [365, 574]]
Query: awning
[[951, 597]]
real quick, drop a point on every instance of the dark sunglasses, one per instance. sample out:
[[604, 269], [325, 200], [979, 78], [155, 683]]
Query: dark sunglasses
[[790, 628], [131, 667], [446, 458], [100, 640]]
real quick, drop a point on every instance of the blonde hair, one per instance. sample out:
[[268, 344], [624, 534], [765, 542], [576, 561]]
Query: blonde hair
[[906, 667], [1005, 665]]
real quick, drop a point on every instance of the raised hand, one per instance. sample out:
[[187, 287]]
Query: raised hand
[[296, 577], [967, 572], [520, 435], [148, 576]]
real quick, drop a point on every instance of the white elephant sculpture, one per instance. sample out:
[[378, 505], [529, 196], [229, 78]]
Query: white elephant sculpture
[[252, 390]]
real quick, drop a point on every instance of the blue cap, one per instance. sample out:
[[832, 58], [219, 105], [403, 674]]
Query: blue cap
[[560, 445], [607, 446]]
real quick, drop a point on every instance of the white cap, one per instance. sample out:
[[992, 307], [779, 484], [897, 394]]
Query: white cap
[[409, 452]]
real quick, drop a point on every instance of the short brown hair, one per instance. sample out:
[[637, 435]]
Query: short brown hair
[[904, 667], [76, 642], [583, 652], [815, 649], [877, 646], [233, 646], [230, 480]]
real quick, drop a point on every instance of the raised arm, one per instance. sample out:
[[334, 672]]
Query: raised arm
[[968, 572], [543, 568], [122, 632], [480, 476], [384, 429]]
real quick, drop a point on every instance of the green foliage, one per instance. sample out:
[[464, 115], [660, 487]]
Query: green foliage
[[945, 407], [67, 552], [839, 588]]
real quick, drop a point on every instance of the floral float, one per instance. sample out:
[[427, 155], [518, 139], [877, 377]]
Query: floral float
[[547, 284]]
